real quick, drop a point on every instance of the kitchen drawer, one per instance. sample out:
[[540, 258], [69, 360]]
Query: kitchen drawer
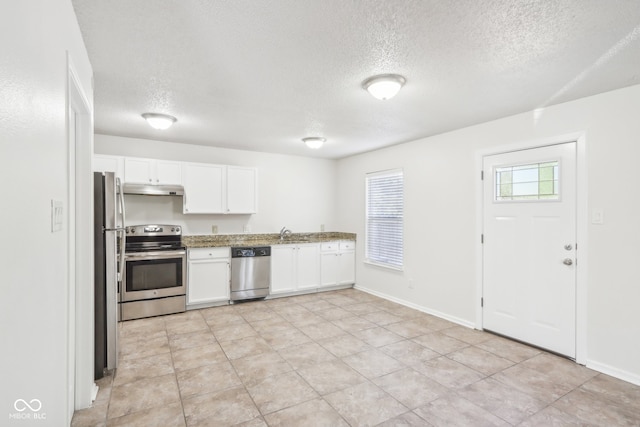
[[347, 245], [329, 247], [208, 253]]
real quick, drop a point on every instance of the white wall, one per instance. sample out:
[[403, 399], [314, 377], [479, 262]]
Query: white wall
[[440, 233], [296, 192], [34, 292]]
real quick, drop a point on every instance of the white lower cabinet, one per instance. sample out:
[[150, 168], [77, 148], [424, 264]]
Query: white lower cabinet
[[338, 263], [208, 276], [308, 266], [295, 267]]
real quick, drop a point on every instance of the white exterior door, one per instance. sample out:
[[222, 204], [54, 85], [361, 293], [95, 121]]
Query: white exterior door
[[529, 249]]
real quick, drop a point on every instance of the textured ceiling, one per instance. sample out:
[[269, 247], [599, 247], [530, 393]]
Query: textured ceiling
[[262, 74]]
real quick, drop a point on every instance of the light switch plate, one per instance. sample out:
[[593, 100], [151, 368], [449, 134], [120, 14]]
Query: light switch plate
[[597, 217], [56, 216], [246, 228], [214, 229]]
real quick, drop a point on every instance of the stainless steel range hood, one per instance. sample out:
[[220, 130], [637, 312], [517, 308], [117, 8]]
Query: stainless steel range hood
[[153, 190]]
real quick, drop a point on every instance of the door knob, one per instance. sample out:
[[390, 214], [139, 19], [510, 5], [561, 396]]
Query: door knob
[[567, 261], [568, 247]]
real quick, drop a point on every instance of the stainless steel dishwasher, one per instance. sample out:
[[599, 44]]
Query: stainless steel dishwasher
[[250, 272]]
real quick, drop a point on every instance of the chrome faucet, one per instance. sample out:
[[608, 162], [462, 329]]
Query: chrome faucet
[[284, 233]]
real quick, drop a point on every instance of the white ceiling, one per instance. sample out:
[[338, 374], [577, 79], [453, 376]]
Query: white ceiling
[[262, 74]]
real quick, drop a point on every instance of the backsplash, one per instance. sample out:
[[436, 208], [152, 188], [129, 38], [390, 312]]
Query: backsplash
[[168, 210]]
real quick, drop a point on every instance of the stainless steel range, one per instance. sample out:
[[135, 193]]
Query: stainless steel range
[[155, 277]]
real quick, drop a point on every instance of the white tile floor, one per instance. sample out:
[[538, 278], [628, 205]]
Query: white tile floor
[[343, 358]]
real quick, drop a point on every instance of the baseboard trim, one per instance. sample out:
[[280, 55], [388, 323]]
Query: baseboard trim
[[614, 372], [94, 392], [436, 313]]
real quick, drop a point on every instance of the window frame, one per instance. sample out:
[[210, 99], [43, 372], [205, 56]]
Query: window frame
[[399, 249]]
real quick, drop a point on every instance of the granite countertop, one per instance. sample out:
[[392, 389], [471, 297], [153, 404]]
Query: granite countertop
[[235, 240]]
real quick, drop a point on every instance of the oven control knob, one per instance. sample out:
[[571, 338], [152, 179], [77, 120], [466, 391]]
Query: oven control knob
[[173, 229], [177, 229], [133, 230]]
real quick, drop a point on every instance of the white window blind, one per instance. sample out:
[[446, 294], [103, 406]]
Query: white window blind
[[385, 212]]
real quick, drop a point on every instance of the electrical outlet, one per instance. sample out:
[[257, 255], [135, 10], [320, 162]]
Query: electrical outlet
[[321, 227], [214, 229], [411, 286], [246, 228]]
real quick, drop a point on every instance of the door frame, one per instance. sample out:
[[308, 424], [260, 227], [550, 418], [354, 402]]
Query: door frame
[[581, 227], [80, 340]]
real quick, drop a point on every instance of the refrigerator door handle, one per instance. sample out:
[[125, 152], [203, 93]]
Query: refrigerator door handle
[[121, 229]]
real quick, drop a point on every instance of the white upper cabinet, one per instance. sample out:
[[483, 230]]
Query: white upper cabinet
[[219, 189], [208, 188], [168, 172], [152, 171], [138, 171], [204, 188], [106, 163], [242, 186]]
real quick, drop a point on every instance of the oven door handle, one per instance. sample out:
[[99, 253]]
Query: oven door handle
[[154, 255]]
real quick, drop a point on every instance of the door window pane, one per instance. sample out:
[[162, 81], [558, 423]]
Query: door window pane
[[537, 181]]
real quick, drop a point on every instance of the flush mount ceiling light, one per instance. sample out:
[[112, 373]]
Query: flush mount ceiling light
[[314, 142], [159, 121], [384, 86]]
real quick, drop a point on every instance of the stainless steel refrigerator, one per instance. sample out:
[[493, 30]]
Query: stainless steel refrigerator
[[109, 255]]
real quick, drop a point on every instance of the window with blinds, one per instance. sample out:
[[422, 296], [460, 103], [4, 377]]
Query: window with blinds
[[385, 213]]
